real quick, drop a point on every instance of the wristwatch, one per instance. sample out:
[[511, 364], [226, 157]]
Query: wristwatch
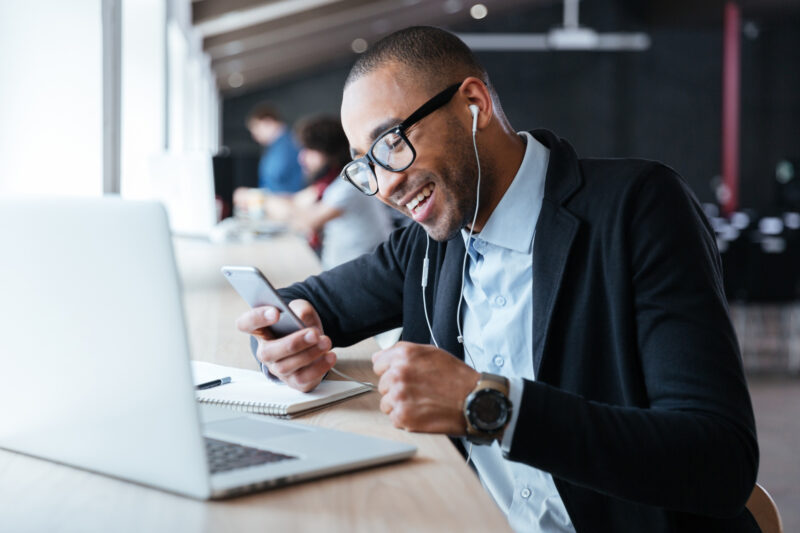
[[487, 409]]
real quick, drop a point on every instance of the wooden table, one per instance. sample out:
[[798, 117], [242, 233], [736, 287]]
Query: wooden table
[[434, 491]]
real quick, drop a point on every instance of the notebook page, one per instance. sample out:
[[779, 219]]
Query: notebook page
[[250, 387]]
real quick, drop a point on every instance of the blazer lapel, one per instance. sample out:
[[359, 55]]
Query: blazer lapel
[[555, 232], [446, 295]]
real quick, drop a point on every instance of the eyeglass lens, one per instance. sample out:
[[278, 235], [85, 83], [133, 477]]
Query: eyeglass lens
[[361, 175], [393, 152]]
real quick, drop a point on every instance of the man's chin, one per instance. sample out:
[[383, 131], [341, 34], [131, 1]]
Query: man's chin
[[440, 233]]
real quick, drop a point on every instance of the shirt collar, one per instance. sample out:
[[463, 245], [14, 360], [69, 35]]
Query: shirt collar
[[513, 222]]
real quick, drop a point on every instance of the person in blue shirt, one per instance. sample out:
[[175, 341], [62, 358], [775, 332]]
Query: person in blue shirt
[[279, 171]]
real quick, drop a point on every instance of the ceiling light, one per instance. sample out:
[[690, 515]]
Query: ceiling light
[[478, 11], [236, 80], [569, 36], [359, 45]]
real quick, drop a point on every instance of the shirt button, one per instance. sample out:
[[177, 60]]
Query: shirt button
[[499, 301], [526, 493], [498, 360]]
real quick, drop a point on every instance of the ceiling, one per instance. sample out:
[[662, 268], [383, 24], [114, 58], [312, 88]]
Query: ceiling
[[253, 43], [258, 42]]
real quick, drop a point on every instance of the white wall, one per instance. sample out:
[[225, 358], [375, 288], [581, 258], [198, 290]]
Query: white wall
[[51, 101], [143, 98]]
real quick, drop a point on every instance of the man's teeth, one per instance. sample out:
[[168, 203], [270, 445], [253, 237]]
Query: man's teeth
[[424, 193]]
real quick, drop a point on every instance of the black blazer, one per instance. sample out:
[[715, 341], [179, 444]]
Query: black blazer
[[640, 409]]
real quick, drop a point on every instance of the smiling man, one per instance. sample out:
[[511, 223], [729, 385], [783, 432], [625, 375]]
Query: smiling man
[[564, 315]]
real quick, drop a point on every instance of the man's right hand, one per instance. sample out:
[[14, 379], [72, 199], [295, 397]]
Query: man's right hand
[[300, 359]]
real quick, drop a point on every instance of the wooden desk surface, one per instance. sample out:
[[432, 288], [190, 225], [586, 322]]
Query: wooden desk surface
[[434, 491]]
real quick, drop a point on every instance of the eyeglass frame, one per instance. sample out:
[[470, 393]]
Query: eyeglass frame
[[438, 101]]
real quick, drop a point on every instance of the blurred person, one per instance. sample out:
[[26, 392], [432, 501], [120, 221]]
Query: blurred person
[[278, 170], [341, 222]]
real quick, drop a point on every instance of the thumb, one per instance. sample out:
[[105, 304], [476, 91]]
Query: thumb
[[306, 312]]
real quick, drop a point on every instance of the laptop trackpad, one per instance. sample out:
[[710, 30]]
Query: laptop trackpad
[[247, 428]]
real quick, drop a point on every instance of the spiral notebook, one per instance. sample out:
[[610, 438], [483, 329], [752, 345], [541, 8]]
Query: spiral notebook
[[251, 392]]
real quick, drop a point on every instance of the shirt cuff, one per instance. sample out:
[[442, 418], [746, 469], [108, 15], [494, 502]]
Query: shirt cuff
[[515, 388]]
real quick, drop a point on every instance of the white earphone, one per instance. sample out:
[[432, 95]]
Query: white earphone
[[474, 110]]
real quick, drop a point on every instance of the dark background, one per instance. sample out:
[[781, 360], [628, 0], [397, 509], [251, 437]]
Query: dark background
[[664, 103]]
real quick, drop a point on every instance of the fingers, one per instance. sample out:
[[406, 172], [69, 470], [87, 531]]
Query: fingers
[[423, 388], [257, 319], [306, 344], [382, 360], [308, 377], [399, 354], [386, 404], [300, 359], [293, 363]]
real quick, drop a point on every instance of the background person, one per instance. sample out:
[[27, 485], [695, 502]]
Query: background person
[[342, 223], [278, 169]]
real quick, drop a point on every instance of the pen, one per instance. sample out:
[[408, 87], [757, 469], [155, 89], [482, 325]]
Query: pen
[[214, 383]]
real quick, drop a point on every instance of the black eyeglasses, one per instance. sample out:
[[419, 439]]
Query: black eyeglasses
[[392, 150]]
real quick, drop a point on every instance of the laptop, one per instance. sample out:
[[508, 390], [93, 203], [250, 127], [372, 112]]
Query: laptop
[[96, 365]]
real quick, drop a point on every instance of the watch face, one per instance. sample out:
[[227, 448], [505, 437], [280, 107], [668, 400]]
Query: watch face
[[488, 410]]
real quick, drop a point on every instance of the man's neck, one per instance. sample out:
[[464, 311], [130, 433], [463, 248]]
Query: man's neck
[[505, 161]]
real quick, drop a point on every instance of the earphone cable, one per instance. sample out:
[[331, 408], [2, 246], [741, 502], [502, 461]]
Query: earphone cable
[[424, 285]]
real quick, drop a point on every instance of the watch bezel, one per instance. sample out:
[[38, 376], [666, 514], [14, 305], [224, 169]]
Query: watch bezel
[[488, 427]]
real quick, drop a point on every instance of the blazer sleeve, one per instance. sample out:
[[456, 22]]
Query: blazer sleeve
[[362, 297], [693, 449]]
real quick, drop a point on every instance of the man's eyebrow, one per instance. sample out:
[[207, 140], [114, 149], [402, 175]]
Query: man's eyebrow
[[383, 126], [377, 130]]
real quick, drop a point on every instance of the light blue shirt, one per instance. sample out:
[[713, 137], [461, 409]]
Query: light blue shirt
[[498, 338]]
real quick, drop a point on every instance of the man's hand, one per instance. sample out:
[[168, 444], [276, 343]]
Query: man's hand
[[423, 388], [300, 359]]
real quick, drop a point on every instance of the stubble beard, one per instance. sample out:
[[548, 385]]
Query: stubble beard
[[458, 182]]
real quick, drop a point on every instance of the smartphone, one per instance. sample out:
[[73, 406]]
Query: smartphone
[[256, 290]]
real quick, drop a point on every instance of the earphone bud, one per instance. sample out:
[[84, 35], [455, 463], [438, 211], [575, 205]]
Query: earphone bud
[[474, 110]]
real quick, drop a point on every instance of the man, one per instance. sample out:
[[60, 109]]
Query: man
[[278, 169], [342, 222], [592, 301]]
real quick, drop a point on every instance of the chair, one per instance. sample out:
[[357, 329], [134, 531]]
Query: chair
[[763, 508]]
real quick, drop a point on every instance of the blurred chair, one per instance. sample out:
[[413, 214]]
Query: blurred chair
[[761, 272], [763, 508]]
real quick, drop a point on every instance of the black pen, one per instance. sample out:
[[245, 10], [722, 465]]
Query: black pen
[[214, 383]]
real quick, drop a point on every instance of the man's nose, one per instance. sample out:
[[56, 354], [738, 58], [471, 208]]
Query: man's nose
[[388, 182]]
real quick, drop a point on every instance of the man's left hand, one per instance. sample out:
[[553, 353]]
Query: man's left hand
[[423, 387]]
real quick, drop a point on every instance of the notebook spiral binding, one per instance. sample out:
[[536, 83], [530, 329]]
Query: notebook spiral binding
[[258, 408]]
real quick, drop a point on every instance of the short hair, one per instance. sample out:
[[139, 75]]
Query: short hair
[[324, 133], [438, 55], [263, 111]]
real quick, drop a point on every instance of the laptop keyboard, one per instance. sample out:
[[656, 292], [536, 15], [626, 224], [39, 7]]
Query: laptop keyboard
[[224, 456]]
